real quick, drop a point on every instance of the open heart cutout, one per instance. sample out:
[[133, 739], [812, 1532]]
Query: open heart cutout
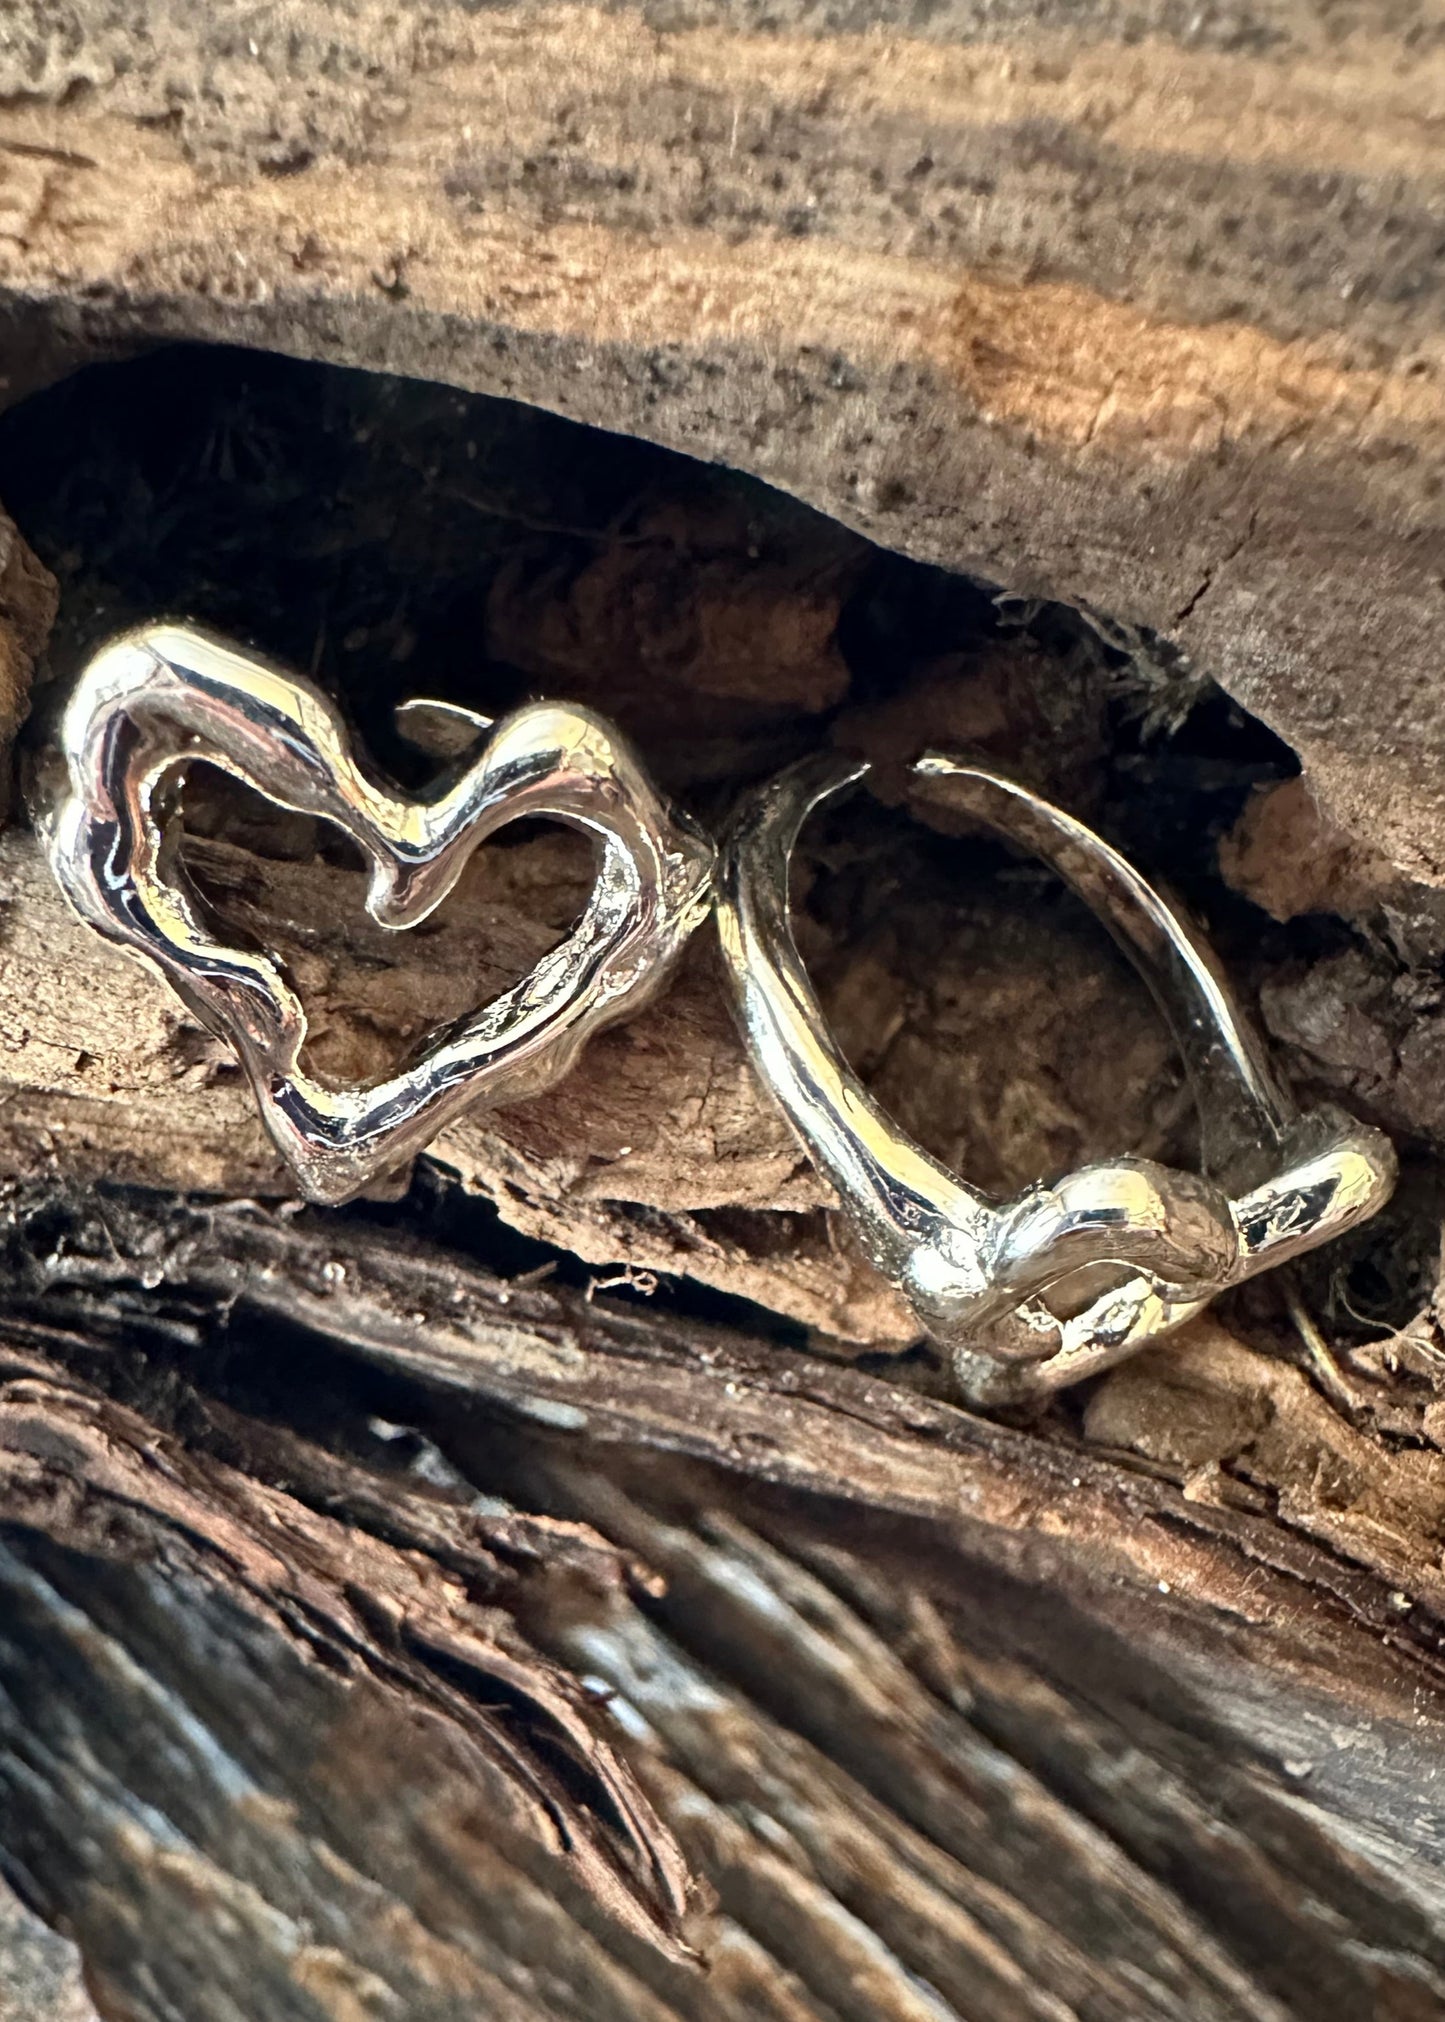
[[167, 694]]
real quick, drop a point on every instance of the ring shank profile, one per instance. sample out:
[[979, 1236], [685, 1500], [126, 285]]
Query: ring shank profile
[[975, 1271]]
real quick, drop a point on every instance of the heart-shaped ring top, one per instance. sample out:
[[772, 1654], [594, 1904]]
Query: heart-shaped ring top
[[1127, 1249], [167, 694]]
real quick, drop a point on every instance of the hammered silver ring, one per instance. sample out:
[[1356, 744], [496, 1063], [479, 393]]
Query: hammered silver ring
[[169, 694]]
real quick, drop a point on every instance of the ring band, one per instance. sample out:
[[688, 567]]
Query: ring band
[[975, 1272]]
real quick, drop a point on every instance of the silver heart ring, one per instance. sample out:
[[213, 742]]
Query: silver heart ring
[[167, 694], [1031, 1294]]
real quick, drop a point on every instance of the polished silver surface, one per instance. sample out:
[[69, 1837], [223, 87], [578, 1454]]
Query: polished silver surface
[[166, 695], [1031, 1294]]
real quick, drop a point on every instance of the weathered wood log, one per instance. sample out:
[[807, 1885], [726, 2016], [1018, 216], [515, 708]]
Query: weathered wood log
[[41, 1979], [246, 1427], [953, 1719], [1129, 306], [394, 1620]]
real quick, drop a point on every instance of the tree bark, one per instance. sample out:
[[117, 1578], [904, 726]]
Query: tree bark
[[952, 1718], [1128, 306], [561, 1586]]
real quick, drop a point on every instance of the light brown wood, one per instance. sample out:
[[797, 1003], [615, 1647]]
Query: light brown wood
[[1142, 320]]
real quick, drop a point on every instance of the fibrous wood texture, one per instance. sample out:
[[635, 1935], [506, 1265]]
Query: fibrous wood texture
[[563, 1588], [1131, 306], [953, 1723]]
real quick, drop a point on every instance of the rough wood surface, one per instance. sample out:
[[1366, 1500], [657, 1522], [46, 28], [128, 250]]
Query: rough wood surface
[[949, 1720], [41, 1978], [571, 1593], [1135, 307], [1135, 1712]]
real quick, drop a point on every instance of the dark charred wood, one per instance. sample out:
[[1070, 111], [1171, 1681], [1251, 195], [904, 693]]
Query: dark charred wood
[[945, 1717]]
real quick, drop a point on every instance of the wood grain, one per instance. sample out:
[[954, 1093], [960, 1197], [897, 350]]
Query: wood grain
[[1142, 320], [385, 1632], [899, 1790]]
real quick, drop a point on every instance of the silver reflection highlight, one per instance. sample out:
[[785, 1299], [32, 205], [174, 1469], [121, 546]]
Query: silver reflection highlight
[[165, 695]]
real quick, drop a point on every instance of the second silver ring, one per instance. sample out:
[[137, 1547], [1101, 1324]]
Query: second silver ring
[[1012, 1290]]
